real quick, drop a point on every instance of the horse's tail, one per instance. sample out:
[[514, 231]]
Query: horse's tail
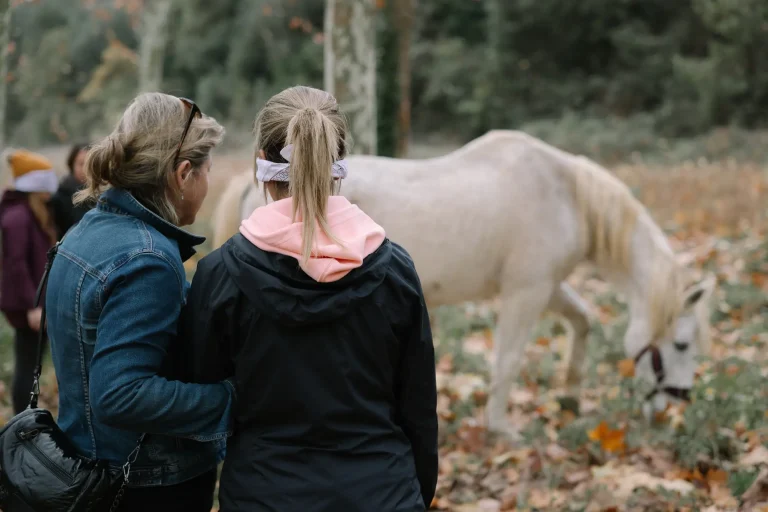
[[226, 216]]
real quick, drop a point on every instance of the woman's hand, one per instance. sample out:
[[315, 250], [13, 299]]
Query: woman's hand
[[33, 318]]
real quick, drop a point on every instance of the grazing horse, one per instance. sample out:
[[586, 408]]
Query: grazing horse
[[508, 215]]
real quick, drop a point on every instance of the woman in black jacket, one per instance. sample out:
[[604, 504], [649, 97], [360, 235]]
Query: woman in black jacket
[[65, 213], [325, 328]]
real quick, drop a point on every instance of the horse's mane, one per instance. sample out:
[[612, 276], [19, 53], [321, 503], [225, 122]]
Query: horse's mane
[[609, 214]]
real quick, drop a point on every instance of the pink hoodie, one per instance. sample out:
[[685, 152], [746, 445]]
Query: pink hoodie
[[270, 229]]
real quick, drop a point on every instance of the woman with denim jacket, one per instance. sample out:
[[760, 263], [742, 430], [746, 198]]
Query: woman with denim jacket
[[114, 295]]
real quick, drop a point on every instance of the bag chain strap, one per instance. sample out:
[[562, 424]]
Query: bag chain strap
[[126, 474]]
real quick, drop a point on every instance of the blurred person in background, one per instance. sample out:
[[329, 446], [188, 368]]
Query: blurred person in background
[[27, 234], [65, 213]]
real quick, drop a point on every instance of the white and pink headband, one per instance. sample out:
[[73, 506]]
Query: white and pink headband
[[273, 171]]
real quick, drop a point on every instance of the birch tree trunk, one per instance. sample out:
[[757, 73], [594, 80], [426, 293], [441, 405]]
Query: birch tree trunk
[[5, 38], [350, 67], [153, 41]]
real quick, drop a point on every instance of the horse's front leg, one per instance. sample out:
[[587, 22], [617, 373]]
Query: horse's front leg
[[566, 302], [521, 308]]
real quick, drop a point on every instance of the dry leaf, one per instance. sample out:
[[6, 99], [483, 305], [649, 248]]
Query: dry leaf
[[488, 335], [626, 368], [723, 498], [480, 396], [472, 435], [540, 499], [445, 364], [488, 505], [576, 477], [756, 457], [509, 499], [716, 476], [516, 455], [623, 480], [556, 452], [610, 440]]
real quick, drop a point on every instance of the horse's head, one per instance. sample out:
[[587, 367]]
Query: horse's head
[[670, 360]]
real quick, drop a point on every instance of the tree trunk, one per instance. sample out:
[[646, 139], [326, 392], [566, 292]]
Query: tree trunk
[[494, 110], [404, 19], [350, 67], [5, 38], [153, 41], [387, 84]]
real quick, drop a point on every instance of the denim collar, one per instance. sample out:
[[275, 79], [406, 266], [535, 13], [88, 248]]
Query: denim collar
[[117, 200]]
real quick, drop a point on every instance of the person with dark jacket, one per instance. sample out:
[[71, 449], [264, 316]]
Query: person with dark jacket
[[65, 212], [27, 234], [324, 326]]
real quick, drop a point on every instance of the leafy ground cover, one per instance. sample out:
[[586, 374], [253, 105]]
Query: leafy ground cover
[[595, 451]]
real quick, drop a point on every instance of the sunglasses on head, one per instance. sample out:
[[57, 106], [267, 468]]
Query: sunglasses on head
[[194, 112]]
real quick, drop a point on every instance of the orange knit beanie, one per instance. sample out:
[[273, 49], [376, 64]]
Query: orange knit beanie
[[23, 161]]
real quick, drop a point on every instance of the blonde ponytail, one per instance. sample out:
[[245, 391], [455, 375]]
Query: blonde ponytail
[[310, 120], [315, 148]]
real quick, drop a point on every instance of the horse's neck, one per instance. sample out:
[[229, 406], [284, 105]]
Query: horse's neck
[[650, 254]]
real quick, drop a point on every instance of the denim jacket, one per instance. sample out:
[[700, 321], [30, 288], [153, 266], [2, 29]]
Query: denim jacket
[[114, 295]]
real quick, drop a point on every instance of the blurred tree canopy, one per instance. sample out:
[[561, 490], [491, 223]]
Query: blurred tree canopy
[[681, 67]]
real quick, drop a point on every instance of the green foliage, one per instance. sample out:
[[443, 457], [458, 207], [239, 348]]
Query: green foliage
[[732, 394], [604, 77], [739, 481], [676, 68]]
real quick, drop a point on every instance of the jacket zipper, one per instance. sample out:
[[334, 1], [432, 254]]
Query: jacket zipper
[[42, 457]]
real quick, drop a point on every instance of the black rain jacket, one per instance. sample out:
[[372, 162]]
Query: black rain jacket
[[336, 408]]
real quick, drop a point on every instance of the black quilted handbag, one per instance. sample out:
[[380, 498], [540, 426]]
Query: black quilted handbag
[[40, 469]]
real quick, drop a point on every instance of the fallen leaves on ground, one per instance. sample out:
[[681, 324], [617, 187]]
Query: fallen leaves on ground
[[587, 449]]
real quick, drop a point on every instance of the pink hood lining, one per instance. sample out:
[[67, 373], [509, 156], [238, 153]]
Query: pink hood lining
[[270, 229]]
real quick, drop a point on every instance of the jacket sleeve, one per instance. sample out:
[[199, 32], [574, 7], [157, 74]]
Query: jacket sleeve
[[417, 397], [135, 330], [205, 331], [16, 266]]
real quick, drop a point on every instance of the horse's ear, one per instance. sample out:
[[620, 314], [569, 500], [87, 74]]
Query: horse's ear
[[698, 292]]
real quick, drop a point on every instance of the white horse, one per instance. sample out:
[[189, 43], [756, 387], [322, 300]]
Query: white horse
[[511, 216]]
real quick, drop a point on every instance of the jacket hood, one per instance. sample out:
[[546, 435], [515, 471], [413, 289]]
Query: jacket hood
[[277, 287], [272, 229]]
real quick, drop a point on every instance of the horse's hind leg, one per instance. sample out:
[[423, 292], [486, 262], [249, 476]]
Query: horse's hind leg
[[521, 308], [566, 302]]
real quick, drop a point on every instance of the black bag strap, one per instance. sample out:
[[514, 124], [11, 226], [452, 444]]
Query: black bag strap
[[42, 330]]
